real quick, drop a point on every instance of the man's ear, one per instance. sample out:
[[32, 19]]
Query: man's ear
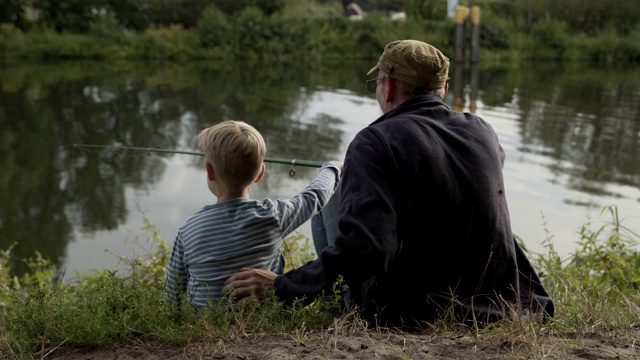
[[211, 174], [260, 174], [390, 89], [446, 88]]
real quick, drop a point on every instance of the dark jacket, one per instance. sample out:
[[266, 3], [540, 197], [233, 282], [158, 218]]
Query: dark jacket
[[424, 221]]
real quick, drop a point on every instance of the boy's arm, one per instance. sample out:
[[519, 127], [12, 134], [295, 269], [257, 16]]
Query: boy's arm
[[176, 283], [300, 208]]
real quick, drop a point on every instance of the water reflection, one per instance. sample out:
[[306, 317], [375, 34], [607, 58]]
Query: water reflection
[[582, 127], [588, 121]]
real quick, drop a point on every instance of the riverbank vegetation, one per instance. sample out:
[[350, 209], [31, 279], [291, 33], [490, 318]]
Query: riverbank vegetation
[[595, 291], [311, 30]]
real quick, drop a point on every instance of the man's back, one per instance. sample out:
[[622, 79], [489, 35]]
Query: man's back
[[437, 174]]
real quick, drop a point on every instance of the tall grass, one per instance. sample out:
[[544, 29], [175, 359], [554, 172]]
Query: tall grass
[[595, 289]]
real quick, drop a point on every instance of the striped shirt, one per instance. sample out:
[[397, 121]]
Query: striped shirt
[[219, 239]]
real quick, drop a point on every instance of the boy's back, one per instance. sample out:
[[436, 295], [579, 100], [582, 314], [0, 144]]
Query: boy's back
[[219, 239]]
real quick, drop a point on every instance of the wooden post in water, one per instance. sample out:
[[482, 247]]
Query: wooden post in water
[[458, 87], [473, 101], [459, 41], [462, 16], [475, 33]]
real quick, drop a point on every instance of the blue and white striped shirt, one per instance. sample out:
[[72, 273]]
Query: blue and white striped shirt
[[219, 239]]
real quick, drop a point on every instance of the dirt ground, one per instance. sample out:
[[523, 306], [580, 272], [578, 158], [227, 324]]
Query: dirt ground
[[376, 346]]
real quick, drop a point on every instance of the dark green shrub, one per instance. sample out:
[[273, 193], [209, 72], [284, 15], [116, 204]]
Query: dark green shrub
[[495, 31], [213, 28], [253, 32], [235, 7], [176, 12], [106, 26], [551, 34], [165, 43], [426, 9]]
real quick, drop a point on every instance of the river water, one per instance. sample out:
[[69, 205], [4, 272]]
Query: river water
[[571, 135]]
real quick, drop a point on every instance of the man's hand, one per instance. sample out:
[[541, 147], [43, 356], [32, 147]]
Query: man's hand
[[249, 282]]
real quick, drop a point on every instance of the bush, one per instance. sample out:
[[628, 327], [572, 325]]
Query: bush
[[253, 33], [106, 26], [213, 28], [609, 46], [552, 34], [172, 43]]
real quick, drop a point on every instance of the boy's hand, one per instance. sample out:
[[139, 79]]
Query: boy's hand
[[339, 163]]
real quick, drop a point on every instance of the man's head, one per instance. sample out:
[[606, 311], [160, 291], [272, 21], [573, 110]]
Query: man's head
[[236, 152], [415, 63]]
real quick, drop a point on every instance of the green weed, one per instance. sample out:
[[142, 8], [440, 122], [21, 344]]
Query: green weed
[[595, 289]]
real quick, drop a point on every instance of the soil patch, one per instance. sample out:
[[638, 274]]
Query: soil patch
[[375, 346]]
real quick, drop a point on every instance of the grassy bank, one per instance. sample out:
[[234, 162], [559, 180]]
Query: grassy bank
[[595, 291]]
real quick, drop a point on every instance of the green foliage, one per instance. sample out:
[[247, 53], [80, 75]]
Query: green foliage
[[312, 9], [106, 25], [550, 40], [608, 47], [40, 272], [147, 267], [253, 32], [109, 307], [609, 252], [131, 14], [597, 16], [214, 28], [47, 44], [171, 43], [311, 30], [596, 288], [184, 13], [297, 251], [495, 31], [13, 12], [598, 285], [235, 7], [65, 15], [426, 9]]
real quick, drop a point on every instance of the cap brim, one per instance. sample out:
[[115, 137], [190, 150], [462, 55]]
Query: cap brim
[[373, 69]]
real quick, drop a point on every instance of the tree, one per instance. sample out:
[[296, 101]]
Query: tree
[[13, 12], [67, 15]]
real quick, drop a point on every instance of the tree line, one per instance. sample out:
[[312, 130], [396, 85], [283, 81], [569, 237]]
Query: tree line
[[597, 30]]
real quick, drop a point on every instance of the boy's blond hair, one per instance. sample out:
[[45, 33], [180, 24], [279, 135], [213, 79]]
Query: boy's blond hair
[[236, 151]]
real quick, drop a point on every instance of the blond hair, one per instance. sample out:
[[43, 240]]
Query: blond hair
[[236, 151]]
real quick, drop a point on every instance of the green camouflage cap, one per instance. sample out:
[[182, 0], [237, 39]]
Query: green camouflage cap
[[414, 62]]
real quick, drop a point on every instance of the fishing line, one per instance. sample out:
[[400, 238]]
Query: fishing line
[[292, 162]]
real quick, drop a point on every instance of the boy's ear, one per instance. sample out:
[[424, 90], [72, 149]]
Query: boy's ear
[[211, 174], [260, 174]]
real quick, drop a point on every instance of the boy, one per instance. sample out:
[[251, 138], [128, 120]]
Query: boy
[[237, 231]]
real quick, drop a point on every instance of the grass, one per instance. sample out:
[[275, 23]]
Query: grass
[[595, 291]]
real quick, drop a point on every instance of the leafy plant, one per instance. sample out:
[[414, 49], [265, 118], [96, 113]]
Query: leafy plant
[[595, 289]]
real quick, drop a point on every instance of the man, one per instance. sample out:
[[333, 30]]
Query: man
[[424, 225]]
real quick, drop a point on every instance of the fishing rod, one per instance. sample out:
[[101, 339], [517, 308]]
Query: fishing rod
[[292, 162]]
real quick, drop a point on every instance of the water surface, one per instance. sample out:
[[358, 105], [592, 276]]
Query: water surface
[[572, 138]]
